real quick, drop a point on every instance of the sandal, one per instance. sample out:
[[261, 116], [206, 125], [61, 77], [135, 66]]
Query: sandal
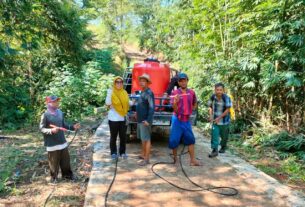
[[144, 162], [195, 164]]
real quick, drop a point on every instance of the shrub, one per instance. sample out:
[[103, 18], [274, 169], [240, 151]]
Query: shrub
[[81, 93]]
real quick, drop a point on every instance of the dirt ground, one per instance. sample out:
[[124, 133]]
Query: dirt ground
[[138, 186], [32, 188]]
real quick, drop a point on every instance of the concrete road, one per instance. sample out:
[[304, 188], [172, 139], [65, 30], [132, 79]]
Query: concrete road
[[138, 186]]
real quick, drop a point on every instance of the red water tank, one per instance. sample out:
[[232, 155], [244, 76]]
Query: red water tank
[[159, 74]]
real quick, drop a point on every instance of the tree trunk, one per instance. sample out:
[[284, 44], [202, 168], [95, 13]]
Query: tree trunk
[[270, 107], [30, 75], [287, 116], [221, 32]]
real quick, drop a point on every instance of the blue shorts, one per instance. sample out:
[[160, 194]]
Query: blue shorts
[[180, 129]]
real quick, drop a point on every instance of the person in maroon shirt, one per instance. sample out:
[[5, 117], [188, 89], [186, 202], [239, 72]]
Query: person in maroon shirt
[[184, 101]]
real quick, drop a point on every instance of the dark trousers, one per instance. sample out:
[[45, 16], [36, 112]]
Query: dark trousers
[[60, 158], [117, 128]]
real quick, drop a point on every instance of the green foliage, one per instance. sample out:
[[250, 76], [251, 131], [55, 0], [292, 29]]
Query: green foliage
[[9, 161], [293, 168], [45, 48], [103, 60], [255, 47], [13, 101], [270, 161], [116, 19], [284, 141], [239, 126], [80, 93], [267, 169]]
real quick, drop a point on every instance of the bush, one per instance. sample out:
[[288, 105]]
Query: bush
[[239, 126], [284, 141], [14, 101], [293, 168], [103, 60], [80, 93], [291, 143]]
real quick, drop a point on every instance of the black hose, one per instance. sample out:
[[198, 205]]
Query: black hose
[[76, 131], [113, 179], [212, 189], [49, 196]]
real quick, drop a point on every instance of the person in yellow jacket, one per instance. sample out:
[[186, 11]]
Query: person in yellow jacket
[[118, 101]]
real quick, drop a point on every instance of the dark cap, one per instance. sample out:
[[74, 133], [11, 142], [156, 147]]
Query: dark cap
[[52, 98], [182, 76]]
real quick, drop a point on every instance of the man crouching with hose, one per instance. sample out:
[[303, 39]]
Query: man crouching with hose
[[52, 126]]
